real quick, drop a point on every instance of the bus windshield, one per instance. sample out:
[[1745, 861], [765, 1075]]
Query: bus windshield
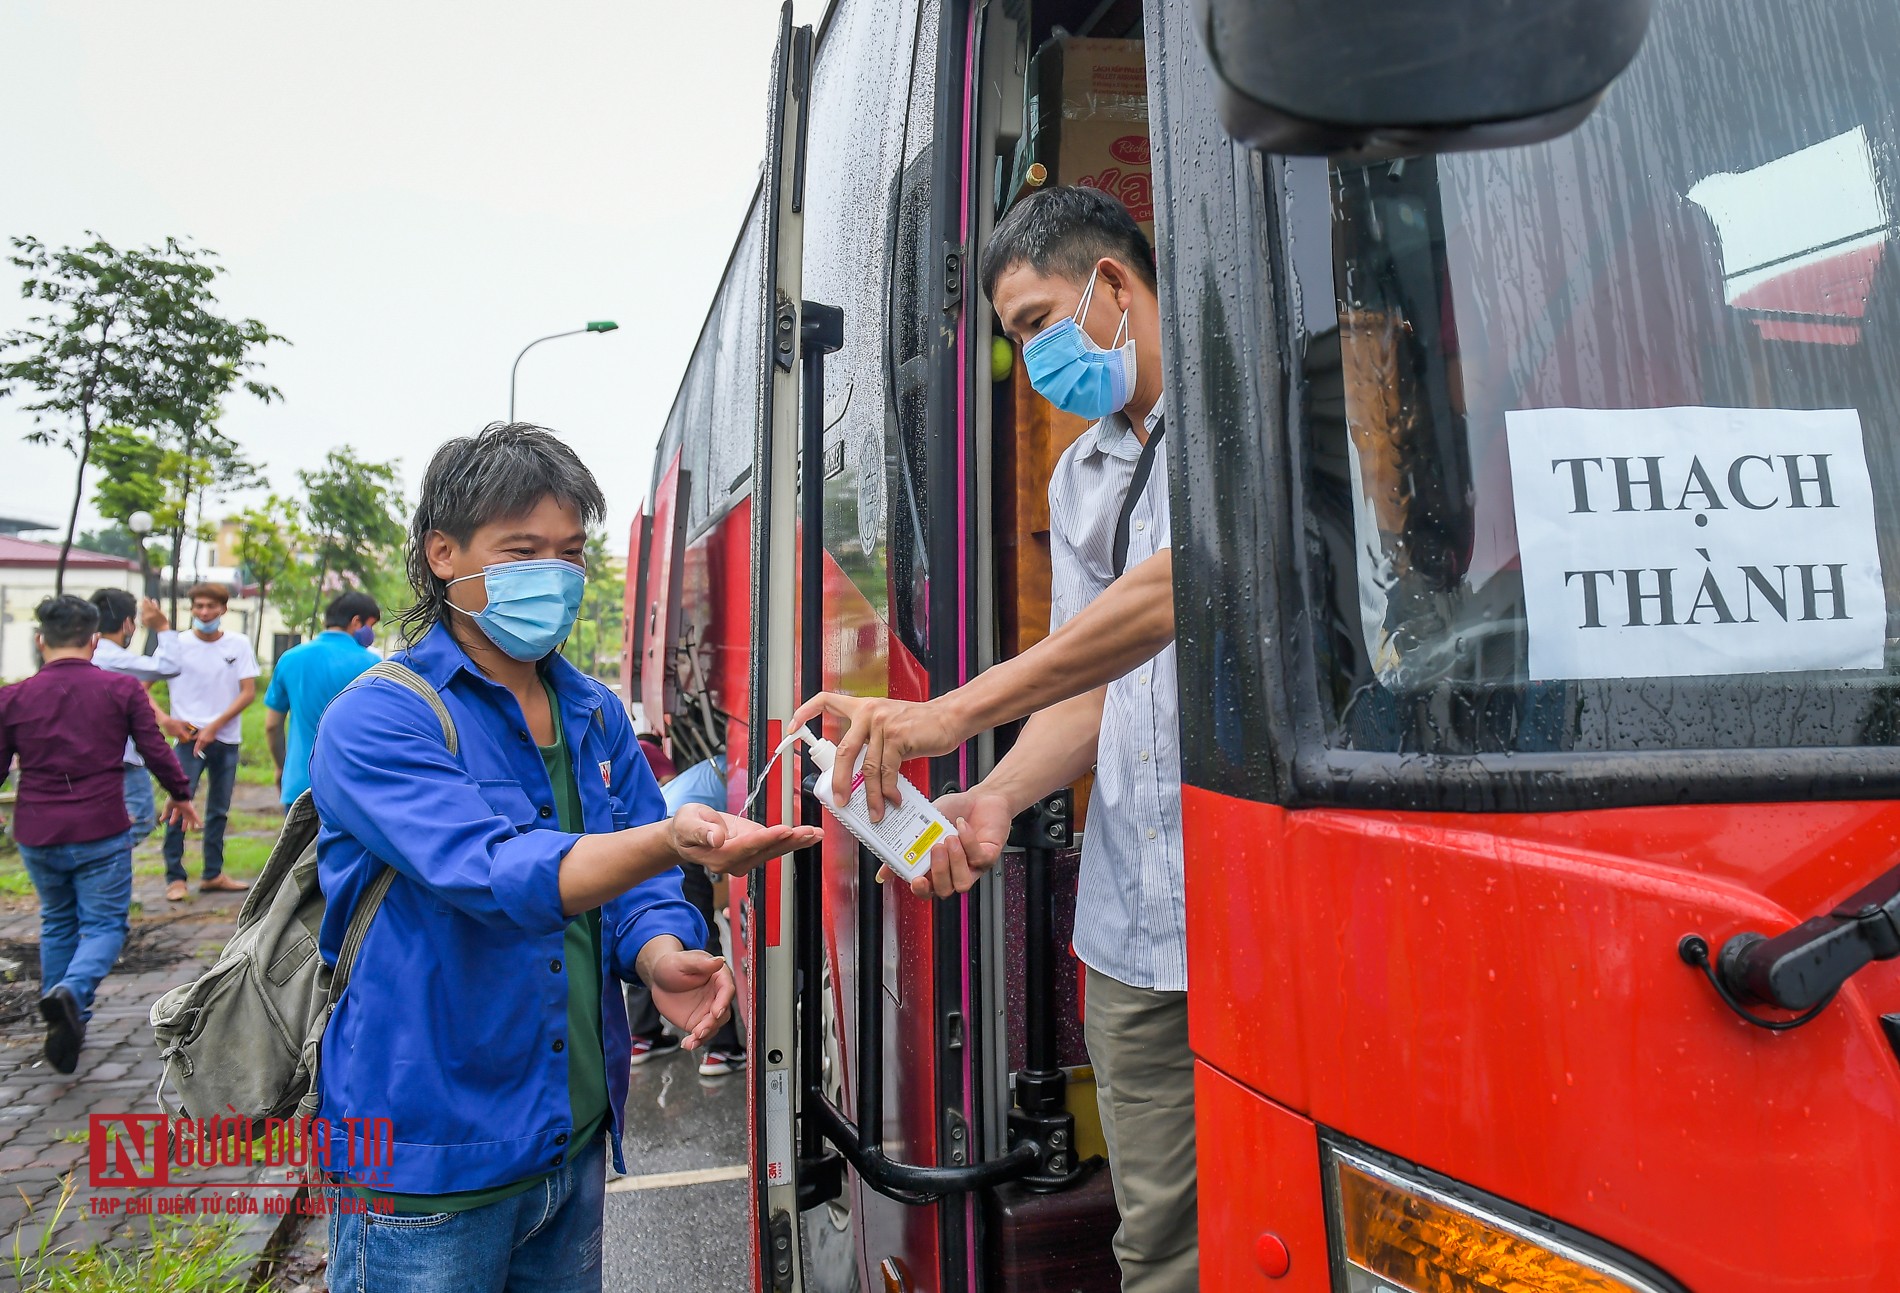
[[1600, 439]]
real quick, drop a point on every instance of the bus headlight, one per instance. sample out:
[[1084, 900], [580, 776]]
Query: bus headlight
[[1396, 1233]]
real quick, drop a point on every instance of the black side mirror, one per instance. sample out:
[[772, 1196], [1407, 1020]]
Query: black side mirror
[[1366, 79]]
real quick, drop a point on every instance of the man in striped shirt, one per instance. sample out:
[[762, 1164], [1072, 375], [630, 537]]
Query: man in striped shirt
[[1072, 279]]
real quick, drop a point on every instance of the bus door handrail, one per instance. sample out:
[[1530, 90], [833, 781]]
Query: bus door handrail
[[905, 1182]]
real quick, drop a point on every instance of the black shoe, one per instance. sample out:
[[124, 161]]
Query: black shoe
[[65, 1028]]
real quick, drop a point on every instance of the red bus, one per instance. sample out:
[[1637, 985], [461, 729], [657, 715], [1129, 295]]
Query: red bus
[[1535, 595]]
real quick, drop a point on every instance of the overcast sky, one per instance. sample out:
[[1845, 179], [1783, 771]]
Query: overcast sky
[[409, 192]]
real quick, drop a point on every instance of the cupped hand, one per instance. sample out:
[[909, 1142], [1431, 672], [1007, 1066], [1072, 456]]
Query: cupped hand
[[729, 845], [890, 731], [203, 742], [982, 822], [692, 991]]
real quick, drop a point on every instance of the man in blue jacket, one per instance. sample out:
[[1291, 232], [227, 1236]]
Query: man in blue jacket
[[534, 872]]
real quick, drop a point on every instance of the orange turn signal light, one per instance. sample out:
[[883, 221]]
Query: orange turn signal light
[[1403, 1234]]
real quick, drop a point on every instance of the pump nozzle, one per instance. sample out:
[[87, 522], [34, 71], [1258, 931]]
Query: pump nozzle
[[823, 753]]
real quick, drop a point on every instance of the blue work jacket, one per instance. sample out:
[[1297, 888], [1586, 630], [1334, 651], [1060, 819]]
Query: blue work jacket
[[454, 1024]]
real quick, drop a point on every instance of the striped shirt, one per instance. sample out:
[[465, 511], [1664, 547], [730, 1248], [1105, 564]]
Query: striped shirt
[[1130, 912]]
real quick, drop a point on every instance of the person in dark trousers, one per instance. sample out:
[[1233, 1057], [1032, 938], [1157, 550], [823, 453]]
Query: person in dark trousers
[[120, 614], [67, 726], [1071, 277], [307, 678], [216, 682], [534, 871], [703, 783]]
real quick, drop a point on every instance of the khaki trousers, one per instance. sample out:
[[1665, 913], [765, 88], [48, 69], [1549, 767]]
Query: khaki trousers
[[1144, 1085]]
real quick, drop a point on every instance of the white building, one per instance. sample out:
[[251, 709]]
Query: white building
[[27, 569]]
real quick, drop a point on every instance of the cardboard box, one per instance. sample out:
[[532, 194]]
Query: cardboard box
[[1087, 120]]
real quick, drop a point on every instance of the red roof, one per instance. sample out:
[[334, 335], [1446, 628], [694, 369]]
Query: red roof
[[26, 552]]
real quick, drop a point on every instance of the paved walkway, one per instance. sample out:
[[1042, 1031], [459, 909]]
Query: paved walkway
[[44, 1124]]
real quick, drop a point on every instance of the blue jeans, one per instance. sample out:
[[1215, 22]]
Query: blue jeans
[[85, 900], [219, 763], [543, 1240], [140, 805]]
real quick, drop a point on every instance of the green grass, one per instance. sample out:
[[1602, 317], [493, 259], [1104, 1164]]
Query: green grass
[[200, 1257], [254, 762]]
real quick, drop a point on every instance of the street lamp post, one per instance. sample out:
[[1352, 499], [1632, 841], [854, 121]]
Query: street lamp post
[[598, 325], [140, 523]]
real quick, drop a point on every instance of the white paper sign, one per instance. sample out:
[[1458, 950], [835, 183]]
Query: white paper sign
[[1695, 541]]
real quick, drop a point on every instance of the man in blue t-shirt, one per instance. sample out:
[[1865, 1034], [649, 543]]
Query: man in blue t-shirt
[[308, 677]]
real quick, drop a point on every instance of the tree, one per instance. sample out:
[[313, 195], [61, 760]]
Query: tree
[[137, 472], [603, 607], [199, 357], [114, 540], [269, 537], [88, 357], [357, 520]]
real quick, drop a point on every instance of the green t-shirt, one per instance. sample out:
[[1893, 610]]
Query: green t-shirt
[[580, 954]]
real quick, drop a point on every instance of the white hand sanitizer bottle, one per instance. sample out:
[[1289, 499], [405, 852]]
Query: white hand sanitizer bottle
[[911, 826]]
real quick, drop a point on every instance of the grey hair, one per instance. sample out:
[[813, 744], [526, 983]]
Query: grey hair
[[1065, 230], [504, 471]]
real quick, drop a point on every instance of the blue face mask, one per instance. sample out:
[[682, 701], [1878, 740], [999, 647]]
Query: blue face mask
[[365, 636], [531, 605], [1069, 370], [207, 626]]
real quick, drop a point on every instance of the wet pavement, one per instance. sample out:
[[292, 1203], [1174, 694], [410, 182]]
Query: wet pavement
[[677, 1220]]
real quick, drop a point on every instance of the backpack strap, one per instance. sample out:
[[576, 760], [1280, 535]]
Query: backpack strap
[[403, 676], [366, 906]]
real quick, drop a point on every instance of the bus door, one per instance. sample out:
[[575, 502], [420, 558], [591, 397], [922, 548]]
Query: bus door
[[1537, 700], [764, 900]]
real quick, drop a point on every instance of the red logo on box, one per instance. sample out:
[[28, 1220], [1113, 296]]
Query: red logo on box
[[1134, 190], [128, 1149], [1131, 150]]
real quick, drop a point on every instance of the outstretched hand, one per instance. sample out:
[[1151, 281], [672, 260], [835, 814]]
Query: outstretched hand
[[692, 990], [728, 845], [890, 731]]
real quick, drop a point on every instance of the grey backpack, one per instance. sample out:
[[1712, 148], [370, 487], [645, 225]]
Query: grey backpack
[[245, 1035]]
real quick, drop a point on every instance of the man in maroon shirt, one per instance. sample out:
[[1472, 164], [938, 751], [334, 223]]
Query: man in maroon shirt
[[68, 725]]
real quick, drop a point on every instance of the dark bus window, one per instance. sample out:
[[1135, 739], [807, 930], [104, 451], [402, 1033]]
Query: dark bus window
[[914, 322], [855, 149], [735, 334], [1561, 405]]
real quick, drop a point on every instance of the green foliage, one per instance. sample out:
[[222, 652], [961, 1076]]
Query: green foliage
[[88, 359], [269, 538], [255, 766], [598, 627], [131, 479], [113, 540], [357, 520], [139, 471]]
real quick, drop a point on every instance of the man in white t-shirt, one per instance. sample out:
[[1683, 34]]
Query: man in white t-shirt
[[217, 678], [120, 614]]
